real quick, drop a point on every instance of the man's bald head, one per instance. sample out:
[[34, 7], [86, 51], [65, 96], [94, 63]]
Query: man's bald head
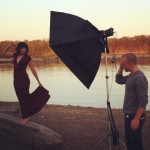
[[131, 58]]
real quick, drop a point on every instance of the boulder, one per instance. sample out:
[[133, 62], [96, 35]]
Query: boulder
[[14, 136]]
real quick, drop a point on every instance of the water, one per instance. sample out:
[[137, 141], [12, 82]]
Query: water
[[66, 89]]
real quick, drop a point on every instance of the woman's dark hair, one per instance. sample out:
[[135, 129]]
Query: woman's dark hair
[[20, 46]]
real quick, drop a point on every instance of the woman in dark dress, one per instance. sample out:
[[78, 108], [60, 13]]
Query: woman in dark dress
[[30, 104]]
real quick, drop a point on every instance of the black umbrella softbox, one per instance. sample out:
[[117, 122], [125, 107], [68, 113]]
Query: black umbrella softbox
[[77, 42]]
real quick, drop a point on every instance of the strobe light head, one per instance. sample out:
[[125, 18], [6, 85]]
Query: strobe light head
[[107, 33]]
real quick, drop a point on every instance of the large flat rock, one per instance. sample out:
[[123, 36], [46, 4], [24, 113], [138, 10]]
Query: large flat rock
[[14, 136]]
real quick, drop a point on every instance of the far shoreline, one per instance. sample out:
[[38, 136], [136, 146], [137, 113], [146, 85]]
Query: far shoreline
[[9, 60], [57, 59]]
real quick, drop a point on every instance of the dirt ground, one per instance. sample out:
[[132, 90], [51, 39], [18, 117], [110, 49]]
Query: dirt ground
[[81, 128]]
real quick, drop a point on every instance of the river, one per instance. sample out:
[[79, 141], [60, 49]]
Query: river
[[66, 89]]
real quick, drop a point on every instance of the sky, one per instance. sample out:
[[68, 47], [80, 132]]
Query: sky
[[30, 19]]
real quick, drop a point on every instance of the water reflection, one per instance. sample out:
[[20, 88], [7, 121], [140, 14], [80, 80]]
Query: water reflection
[[66, 89]]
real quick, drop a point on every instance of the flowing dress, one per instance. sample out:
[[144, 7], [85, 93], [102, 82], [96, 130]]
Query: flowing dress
[[30, 103]]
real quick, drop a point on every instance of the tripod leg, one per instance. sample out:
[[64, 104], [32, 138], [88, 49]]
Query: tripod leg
[[106, 136], [124, 145], [110, 142]]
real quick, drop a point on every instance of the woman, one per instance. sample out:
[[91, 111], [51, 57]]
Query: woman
[[29, 103]]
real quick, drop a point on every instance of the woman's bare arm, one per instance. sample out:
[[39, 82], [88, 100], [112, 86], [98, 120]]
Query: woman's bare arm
[[34, 72], [5, 52]]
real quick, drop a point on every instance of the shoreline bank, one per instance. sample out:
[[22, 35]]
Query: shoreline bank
[[79, 127]]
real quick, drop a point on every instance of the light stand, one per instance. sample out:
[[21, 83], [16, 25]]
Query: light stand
[[113, 135]]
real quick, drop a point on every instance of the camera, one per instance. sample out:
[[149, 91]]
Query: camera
[[107, 33]]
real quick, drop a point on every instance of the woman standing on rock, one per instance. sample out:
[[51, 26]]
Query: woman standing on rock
[[30, 104]]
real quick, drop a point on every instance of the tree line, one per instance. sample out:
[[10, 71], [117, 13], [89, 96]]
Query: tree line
[[137, 44], [37, 48]]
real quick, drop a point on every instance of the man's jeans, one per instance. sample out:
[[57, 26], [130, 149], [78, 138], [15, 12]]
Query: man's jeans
[[133, 138]]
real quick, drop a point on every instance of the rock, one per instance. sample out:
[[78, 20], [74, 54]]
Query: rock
[[14, 136]]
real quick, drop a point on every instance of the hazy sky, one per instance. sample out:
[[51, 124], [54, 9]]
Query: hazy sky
[[30, 19]]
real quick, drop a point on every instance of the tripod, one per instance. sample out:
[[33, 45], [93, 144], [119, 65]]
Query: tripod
[[113, 135]]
